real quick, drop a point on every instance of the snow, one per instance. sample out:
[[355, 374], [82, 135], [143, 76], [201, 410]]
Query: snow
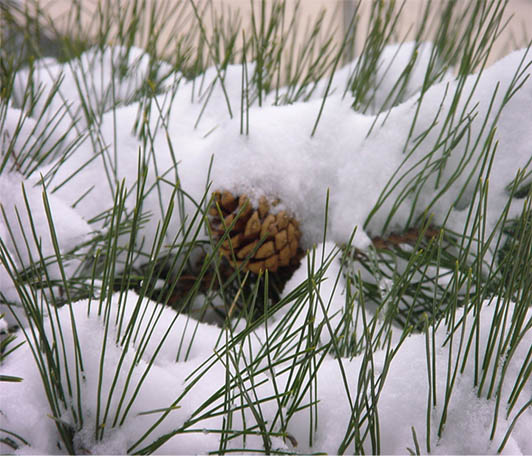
[[352, 158], [104, 86], [69, 227], [402, 400]]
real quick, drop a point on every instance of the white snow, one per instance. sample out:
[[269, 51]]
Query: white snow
[[402, 402], [352, 157]]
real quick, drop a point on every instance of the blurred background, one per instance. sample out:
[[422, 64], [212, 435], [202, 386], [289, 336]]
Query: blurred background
[[181, 23]]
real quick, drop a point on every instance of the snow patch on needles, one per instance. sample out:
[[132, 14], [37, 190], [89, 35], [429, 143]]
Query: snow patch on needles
[[403, 398], [369, 164]]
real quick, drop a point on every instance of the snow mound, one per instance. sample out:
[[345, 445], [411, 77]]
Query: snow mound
[[168, 379]]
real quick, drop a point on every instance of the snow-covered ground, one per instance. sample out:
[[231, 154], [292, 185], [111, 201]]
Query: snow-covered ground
[[355, 158]]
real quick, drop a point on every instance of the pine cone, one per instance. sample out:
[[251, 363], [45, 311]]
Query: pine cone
[[257, 240]]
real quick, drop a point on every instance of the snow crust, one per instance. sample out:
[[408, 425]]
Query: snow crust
[[353, 158]]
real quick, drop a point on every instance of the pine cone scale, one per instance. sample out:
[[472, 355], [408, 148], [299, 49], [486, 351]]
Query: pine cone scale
[[252, 226], [281, 239]]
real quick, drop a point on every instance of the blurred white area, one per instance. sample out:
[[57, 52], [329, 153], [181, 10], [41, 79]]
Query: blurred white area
[[337, 16]]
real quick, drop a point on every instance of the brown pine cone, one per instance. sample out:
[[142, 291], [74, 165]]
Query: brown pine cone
[[257, 240]]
